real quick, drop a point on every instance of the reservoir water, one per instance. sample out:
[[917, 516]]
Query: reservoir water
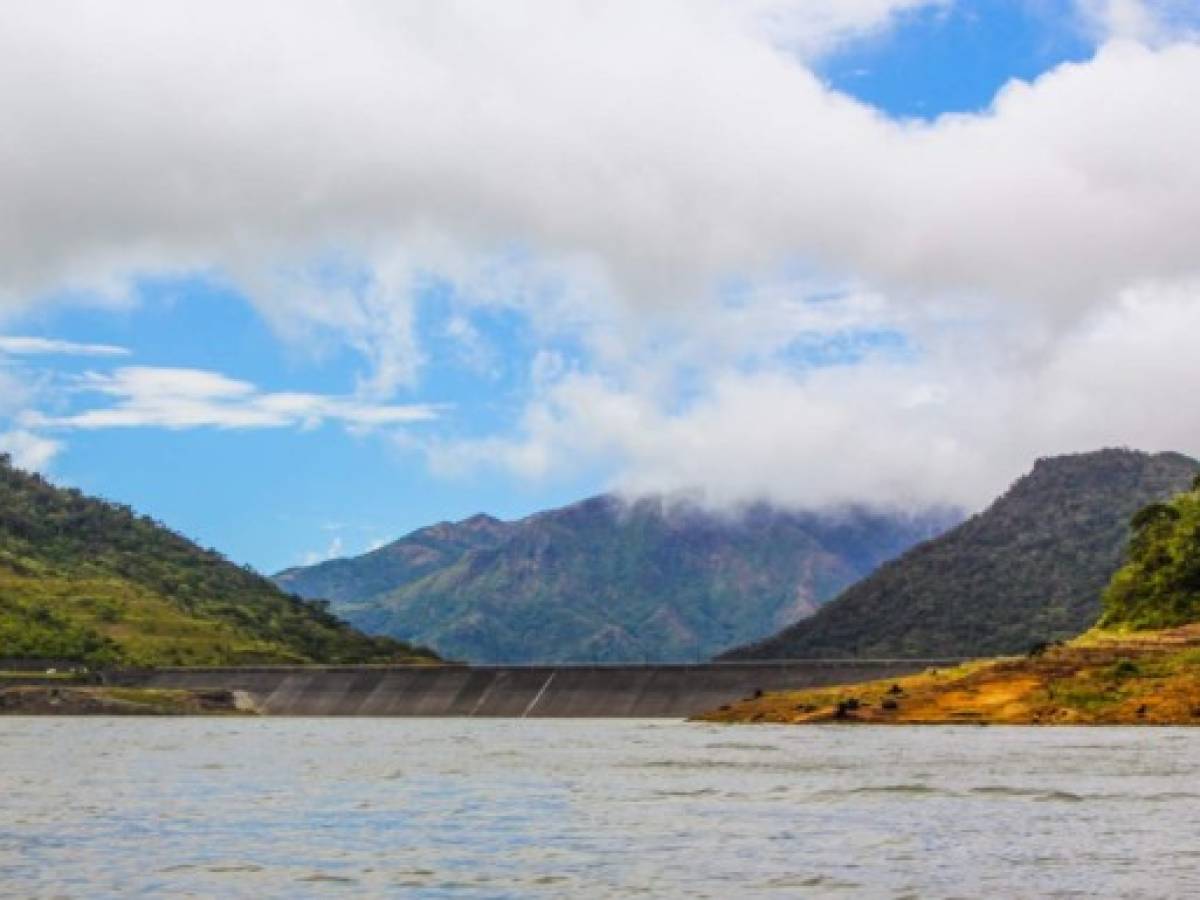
[[457, 807]]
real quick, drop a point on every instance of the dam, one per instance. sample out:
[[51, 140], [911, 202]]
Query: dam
[[534, 691]]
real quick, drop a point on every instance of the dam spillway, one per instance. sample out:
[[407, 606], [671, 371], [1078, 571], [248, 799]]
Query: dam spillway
[[533, 691]]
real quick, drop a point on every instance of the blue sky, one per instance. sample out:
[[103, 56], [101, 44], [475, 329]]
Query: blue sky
[[954, 58], [574, 321]]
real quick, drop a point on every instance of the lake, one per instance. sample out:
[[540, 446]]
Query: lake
[[496, 808]]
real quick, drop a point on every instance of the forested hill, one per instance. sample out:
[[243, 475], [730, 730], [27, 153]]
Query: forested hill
[[88, 580], [1030, 568], [606, 580]]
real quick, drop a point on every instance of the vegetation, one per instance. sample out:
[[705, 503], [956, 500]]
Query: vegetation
[[1159, 586], [1028, 570], [86, 580], [603, 580]]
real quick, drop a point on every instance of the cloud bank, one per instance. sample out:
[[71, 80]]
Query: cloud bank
[[610, 171], [955, 427]]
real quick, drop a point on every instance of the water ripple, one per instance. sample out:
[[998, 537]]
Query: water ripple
[[298, 808]]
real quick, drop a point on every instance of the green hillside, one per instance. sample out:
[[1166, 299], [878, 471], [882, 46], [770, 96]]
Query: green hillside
[[603, 580], [1030, 568], [87, 580]]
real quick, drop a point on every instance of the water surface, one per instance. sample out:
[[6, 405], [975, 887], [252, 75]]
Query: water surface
[[458, 807]]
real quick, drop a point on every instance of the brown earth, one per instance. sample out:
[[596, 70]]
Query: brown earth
[[1100, 678]]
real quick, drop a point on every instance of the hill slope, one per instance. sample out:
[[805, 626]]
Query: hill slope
[[1030, 568], [87, 580], [604, 581]]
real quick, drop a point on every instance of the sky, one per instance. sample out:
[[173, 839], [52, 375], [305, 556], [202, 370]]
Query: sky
[[296, 278]]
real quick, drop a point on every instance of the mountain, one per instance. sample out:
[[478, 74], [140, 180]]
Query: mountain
[[82, 579], [605, 580], [1029, 569]]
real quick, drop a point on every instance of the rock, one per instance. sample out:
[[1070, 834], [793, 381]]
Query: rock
[[845, 707]]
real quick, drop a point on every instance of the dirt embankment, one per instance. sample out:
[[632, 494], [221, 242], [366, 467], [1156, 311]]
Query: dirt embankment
[[1101, 678], [45, 700]]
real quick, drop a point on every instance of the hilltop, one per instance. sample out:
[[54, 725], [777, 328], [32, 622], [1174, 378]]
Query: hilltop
[[87, 580], [1029, 569], [607, 580]]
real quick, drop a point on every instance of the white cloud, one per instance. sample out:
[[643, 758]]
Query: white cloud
[[29, 451], [610, 169], [179, 398], [1149, 21], [815, 27], [954, 424], [12, 345], [663, 146]]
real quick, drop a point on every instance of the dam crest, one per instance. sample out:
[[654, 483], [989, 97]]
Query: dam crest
[[518, 691]]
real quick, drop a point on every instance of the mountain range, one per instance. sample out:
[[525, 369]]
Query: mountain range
[[606, 580]]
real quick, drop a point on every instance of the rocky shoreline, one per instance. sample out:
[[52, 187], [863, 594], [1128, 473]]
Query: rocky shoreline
[[68, 700], [1101, 678]]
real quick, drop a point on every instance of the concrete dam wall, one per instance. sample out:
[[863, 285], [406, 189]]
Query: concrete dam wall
[[562, 691]]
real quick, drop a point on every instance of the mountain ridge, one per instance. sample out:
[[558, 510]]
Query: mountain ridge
[[607, 579], [1028, 569]]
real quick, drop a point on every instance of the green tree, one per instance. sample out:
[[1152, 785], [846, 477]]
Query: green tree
[[1159, 585]]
